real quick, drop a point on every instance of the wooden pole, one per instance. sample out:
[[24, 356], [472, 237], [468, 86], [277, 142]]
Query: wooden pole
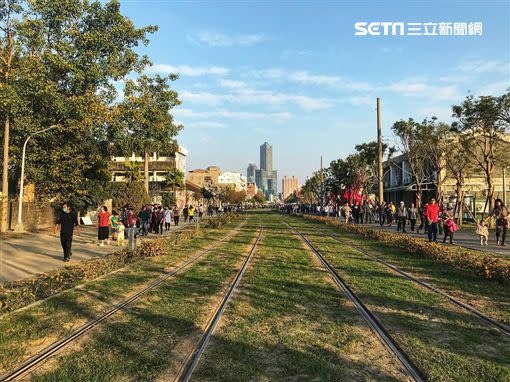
[[379, 154], [322, 185]]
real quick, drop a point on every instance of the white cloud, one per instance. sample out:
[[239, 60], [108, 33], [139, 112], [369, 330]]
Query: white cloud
[[216, 39], [495, 88], [241, 115], [250, 96], [409, 87], [231, 84], [185, 70], [305, 77], [206, 125]]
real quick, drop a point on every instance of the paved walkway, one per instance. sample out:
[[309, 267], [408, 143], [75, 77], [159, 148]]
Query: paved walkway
[[27, 255], [465, 238]]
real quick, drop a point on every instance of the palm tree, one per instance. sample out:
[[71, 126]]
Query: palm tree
[[174, 179]]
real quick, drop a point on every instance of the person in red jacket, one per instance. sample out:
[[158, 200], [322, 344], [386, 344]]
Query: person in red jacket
[[431, 214]]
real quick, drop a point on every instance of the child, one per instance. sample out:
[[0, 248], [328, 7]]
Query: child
[[449, 228], [483, 232], [120, 234]]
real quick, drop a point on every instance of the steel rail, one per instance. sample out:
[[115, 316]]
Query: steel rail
[[369, 317], [505, 329], [194, 358], [47, 352]]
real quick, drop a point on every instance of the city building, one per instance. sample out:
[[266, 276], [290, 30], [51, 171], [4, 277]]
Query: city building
[[399, 185], [121, 168], [159, 165], [251, 172], [266, 177], [207, 177], [289, 186], [235, 179]]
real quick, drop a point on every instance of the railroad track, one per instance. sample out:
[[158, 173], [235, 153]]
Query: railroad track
[[193, 358], [37, 360], [372, 321], [500, 326]]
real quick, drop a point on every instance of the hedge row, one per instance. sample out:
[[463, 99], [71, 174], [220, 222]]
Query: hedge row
[[21, 293], [489, 267]]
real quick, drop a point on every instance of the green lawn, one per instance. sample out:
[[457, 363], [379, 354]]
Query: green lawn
[[151, 338], [287, 321], [446, 342], [29, 330]]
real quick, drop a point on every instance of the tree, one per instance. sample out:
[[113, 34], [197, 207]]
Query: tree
[[458, 165], [8, 9], [128, 193], [68, 56], [168, 199], [258, 198], [145, 112], [132, 171], [311, 190], [482, 124], [434, 136], [410, 134], [174, 180]]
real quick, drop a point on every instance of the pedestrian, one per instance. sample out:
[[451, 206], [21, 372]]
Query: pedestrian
[[500, 212], [401, 217], [185, 213], [413, 216], [121, 228], [356, 212], [390, 213], [154, 221], [200, 211], [191, 213], [382, 214], [423, 220], [346, 212], [103, 226], [114, 224], [168, 218], [160, 220], [66, 222], [449, 225], [483, 232], [431, 215], [144, 217], [175, 214]]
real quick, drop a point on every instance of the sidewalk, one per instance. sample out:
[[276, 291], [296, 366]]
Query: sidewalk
[[463, 238], [26, 255]]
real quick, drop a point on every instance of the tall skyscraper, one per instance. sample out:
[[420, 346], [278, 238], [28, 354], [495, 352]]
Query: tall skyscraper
[[266, 158], [251, 173], [266, 178]]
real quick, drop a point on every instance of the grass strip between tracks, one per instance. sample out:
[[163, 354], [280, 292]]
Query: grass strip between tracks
[[27, 331], [148, 340], [287, 321], [445, 342]]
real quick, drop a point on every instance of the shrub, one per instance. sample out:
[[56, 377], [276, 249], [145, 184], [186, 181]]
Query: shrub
[[489, 267]]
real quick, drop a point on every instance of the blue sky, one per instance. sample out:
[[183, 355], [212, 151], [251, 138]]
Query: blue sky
[[294, 73]]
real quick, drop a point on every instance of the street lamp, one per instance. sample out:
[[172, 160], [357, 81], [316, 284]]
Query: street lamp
[[19, 226]]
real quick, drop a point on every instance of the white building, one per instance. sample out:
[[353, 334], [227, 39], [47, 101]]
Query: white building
[[236, 179], [158, 165]]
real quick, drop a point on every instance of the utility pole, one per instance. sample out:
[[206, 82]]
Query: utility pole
[[379, 153], [322, 185], [504, 186]]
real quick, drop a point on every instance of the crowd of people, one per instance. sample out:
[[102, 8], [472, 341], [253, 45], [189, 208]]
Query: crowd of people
[[432, 218], [150, 218]]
